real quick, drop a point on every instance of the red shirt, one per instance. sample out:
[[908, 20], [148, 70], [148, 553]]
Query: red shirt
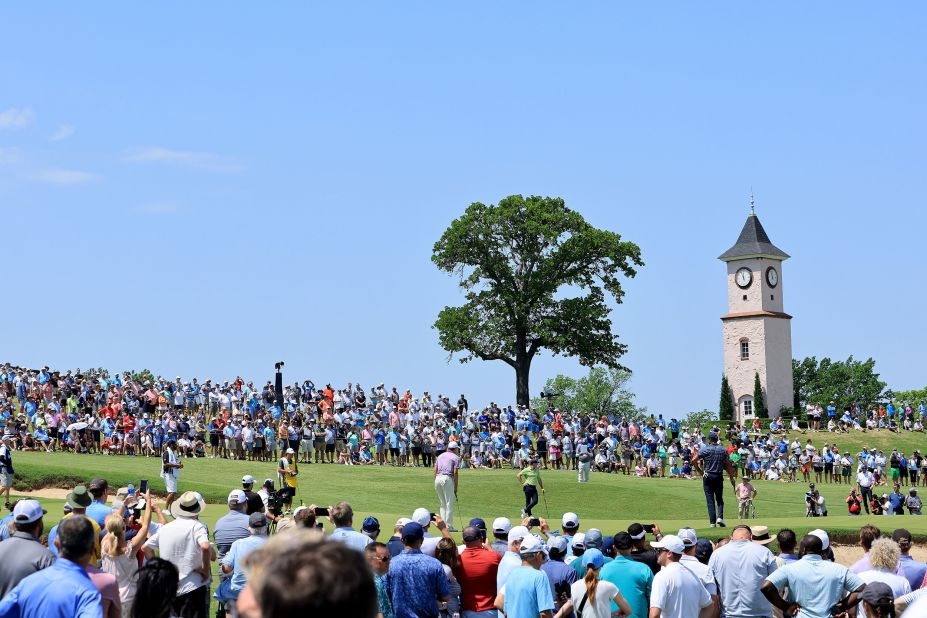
[[476, 575]]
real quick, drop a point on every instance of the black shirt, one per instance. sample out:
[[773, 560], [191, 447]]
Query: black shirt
[[647, 557], [255, 504]]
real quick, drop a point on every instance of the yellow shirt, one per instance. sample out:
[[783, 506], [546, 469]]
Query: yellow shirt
[[95, 556], [530, 476]]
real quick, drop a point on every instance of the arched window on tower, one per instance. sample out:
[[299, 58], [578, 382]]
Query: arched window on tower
[[744, 349]]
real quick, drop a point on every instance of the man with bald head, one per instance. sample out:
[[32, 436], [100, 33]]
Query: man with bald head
[[815, 585], [740, 567]]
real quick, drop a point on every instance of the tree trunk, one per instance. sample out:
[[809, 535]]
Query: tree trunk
[[522, 369]]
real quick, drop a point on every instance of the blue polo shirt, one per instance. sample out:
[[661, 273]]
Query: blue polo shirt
[[414, 583], [815, 584], [634, 580], [527, 593], [98, 512], [63, 590]]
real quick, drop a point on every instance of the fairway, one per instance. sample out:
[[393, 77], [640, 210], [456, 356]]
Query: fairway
[[608, 501]]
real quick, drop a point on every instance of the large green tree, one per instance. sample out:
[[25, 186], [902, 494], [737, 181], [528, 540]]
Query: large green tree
[[759, 403], [843, 382], [726, 405], [536, 276], [604, 391]]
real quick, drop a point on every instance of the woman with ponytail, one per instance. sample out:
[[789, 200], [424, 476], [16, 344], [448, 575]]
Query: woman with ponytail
[[120, 558], [591, 597]]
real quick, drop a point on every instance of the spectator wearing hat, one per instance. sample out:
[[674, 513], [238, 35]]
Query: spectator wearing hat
[[476, 573], [591, 540], [446, 481], [98, 509], [512, 558], [592, 598], [342, 517], [371, 527], [233, 525], [634, 579], [641, 551], [6, 467], [676, 593], [394, 544], [526, 591], [170, 471], [912, 570], [878, 601], [561, 575], [64, 588], [815, 585], [185, 543], [500, 533], [78, 500], [416, 583], [913, 502], [233, 564], [254, 500], [287, 471], [570, 523], [22, 554], [739, 567], [578, 546], [689, 561]]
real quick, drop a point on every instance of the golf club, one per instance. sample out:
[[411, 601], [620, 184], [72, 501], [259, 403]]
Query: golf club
[[546, 507]]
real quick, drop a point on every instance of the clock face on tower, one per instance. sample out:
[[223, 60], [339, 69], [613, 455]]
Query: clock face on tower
[[772, 277], [744, 277]]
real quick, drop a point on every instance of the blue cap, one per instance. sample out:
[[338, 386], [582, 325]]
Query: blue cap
[[413, 530], [593, 557], [371, 524], [478, 523]]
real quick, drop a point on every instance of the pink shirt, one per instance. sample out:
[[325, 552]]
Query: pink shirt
[[744, 490], [447, 462], [109, 590]]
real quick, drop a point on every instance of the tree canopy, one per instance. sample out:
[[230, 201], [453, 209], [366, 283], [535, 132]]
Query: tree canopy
[[603, 392], [843, 382], [536, 276]]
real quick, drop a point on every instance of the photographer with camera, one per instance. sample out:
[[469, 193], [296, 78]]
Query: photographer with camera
[[815, 503]]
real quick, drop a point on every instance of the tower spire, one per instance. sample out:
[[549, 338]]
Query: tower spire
[[752, 203]]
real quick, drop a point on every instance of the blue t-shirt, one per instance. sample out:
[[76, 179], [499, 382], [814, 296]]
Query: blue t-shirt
[[527, 593]]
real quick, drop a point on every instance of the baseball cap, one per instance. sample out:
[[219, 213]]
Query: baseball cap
[[371, 524], [289, 450], [671, 542], [501, 525], [570, 521], [97, 484], [237, 496], [877, 593], [623, 541], [452, 444], [247, 480], [901, 535], [402, 521], [688, 536], [478, 523], [593, 538], [636, 531], [579, 541], [257, 520], [518, 533], [557, 543], [703, 550], [28, 511], [413, 530], [530, 544], [825, 540], [593, 557], [421, 516]]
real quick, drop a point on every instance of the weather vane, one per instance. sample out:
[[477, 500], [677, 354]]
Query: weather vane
[[752, 203]]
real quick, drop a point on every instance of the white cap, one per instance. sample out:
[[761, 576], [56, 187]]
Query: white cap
[[237, 496], [501, 525], [518, 533], [289, 450], [452, 444], [688, 536], [422, 517], [247, 480], [579, 540], [570, 520], [531, 545], [825, 539], [299, 509], [402, 521], [27, 511], [672, 543]]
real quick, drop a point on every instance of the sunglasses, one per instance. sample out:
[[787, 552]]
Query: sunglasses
[[383, 558]]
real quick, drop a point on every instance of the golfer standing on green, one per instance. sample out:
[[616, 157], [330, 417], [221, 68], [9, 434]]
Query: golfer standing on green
[[530, 479]]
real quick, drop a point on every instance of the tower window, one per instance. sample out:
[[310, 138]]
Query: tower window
[[748, 407], [772, 297], [745, 297], [744, 350]]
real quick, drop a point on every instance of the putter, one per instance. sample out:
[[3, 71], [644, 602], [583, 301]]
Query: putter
[[546, 507]]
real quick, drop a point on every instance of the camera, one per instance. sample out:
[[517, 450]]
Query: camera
[[275, 503], [278, 366]]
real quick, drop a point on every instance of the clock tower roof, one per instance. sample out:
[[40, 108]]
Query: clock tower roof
[[753, 242]]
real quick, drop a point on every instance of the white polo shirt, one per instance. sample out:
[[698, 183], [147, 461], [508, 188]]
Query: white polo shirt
[[678, 592]]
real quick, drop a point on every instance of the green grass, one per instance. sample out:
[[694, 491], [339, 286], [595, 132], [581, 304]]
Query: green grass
[[608, 501]]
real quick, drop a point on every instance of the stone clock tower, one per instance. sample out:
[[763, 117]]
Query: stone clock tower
[[757, 332]]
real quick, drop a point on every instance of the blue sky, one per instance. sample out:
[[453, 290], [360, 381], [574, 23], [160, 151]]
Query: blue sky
[[206, 188]]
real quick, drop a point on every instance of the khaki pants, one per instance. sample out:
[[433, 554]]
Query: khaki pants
[[444, 486]]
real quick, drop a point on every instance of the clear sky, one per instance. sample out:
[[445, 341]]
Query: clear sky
[[206, 188]]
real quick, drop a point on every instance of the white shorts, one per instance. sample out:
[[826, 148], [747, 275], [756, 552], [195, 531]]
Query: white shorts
[[171, 482], [6, 479]]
